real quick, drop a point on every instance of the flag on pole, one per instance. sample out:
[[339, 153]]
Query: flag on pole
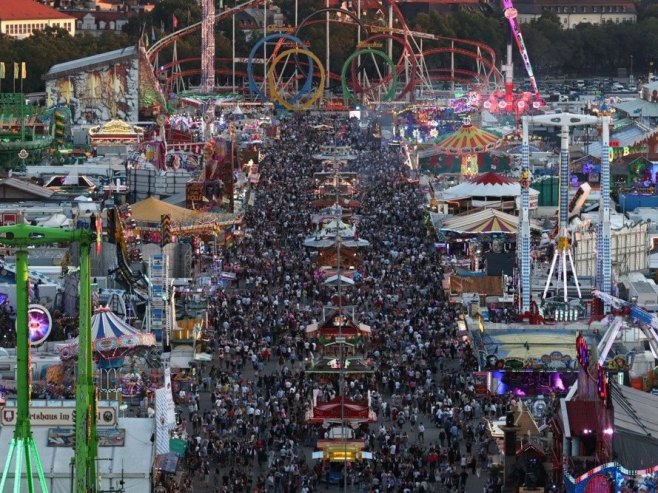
[[2, 70], [174, 21], [152, 33], [15, 70], [23, 70]]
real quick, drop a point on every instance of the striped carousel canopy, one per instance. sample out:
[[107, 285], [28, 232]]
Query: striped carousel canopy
[[467, 140], [111, 337], [485, 221]]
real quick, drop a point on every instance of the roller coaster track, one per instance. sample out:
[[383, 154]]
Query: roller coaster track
[[483, 55]]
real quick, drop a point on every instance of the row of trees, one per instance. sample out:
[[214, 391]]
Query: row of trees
[[585, 50]]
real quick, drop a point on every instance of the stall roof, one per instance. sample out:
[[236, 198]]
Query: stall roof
[[635, 411]]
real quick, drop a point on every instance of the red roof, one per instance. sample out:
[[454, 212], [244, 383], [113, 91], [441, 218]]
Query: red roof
[[27, 10], [492, 178]]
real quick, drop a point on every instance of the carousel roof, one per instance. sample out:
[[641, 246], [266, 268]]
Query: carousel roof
[[468, 140], [485, 221], [111, 337], [487, 185]]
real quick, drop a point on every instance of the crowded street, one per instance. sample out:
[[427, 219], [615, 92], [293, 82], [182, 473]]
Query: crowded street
[[245, 419]]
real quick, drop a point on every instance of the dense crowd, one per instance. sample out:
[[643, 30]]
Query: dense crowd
[[244, 417]]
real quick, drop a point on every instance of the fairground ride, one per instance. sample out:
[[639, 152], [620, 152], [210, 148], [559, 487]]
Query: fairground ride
[[391, 62], [562, 265], [23, 451]]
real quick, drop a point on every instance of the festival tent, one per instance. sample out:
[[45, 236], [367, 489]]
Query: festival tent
[[486, 185], [484, 221], [151, 209], [469, 139]]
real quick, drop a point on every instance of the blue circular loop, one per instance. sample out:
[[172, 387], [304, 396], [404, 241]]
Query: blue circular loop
[[253, 87]]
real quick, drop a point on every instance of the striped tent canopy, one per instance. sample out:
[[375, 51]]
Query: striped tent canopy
[[485, 221], [112, 339], [468, 140]]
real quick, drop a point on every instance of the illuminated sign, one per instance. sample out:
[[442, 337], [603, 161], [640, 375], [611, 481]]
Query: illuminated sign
[[617, 152], [39, 324]]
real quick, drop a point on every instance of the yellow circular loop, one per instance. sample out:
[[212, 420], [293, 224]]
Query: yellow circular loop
[[271, 80]]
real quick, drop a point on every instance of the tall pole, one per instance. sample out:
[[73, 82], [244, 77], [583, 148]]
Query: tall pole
[[265, 48], [604, 260], [327, 48], [390, 30], [233, 52], [358, 41], [524, 228], [85, 401], [23, 429]]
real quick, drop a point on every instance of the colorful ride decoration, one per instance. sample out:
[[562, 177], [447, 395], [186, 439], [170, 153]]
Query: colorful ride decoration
[[405, 73], [112, 340], [272, 80], [115, 132], [39, 324], [279, 37], [392, 78], [132, 385], [468, 142]]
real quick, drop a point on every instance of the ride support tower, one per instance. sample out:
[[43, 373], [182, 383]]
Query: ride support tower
[[563, 255], [208, 46]]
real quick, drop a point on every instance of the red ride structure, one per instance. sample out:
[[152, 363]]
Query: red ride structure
[[460, 61]]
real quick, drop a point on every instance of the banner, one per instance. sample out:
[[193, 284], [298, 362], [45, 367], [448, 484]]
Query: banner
[[2, 70], [57, 416], [108, 437], [15, 70], [23, 70], [165, 415]]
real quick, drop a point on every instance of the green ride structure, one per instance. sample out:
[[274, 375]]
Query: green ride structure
[[35, 130], [23, 453]]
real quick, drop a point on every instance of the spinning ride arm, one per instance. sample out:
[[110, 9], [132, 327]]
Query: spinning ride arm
[[648, 321], [511, 15]]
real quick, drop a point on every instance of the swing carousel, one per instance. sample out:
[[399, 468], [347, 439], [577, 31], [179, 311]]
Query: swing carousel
[[112, 340], [468, 143]]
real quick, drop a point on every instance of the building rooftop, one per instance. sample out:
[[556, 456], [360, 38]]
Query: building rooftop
[[18, 10], [101, 59]]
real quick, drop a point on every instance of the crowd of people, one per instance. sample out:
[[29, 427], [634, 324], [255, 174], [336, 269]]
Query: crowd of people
[[245, 417]]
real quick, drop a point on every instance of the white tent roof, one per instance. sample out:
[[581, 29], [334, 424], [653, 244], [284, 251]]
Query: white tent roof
[[56, 221], [487, 185], [336, 226], [336, 280], [134, 460]]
